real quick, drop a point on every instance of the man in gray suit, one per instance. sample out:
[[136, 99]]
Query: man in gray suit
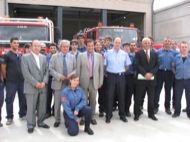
[[90, 71], [62, 65], [35, 72]]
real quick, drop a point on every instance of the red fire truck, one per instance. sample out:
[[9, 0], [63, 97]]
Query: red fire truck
[[127, 34], [25, 30]]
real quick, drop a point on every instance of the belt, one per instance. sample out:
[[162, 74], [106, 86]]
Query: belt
[[120, 73], [165, 70]]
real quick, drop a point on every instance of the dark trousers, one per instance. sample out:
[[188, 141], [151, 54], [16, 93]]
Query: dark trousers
[[113, 81], [102, 97], [173, 96], [148, 87], [180, 86], [129, 90], [1, 97], [11, 89], [72, 125], [165, 77], [49, 95]]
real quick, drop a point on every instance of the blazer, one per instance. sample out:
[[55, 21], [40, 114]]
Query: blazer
[[142, 66], [83, 70], [56, 68], [32, 74]]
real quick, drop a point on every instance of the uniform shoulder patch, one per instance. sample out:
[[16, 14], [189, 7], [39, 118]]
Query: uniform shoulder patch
[[63, 99]]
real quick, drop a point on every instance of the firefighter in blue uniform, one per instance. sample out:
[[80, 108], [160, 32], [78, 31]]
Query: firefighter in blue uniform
[[74, 104]]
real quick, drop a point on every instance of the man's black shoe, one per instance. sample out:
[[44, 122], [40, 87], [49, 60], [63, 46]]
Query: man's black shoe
[[128, 114], [168, 111], [93, 122], [101, 114], [108, 121], [30, 130], [89, 131], [175, 115], [44, 126], [153, 117], [123, 119], [136, 118], [56, 124], [82, 122], [155, 110], [184, 110]]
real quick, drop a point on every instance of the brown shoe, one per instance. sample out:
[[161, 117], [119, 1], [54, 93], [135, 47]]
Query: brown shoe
[[93, 121], [82, 122]]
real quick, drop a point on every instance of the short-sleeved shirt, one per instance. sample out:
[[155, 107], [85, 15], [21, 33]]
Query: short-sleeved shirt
[[13, 67], [116, 61]]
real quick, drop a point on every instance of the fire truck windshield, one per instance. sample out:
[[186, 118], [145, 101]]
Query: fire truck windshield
[[24, 32], [126, 35]]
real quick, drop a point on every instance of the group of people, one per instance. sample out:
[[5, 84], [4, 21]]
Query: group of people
[[73, 73]]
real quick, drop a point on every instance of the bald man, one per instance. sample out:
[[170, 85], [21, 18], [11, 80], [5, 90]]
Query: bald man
[[35, 71], [146, 65]]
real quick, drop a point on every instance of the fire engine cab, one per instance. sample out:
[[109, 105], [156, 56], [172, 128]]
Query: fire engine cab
[[127, 34], [25, 30]]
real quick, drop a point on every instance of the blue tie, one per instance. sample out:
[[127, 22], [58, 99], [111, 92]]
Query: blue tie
[[64, 66]]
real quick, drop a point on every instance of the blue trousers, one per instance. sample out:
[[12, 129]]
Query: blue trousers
[[72, 125], [11, 89], [1, 97], [180, 85]]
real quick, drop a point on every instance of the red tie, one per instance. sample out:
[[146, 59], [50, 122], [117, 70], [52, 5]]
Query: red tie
[[90, 64]]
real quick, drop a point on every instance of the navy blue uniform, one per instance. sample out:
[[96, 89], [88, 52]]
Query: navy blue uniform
[[75, 100]]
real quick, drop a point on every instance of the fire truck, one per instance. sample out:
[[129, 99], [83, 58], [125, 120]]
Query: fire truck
[[127, 34], [25, 30]]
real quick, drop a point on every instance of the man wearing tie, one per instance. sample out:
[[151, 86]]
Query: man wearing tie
[[90, 72], [62, 65], [35, 71], [146, 65]]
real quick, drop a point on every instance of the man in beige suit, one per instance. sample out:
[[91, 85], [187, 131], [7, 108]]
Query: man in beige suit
[[62, 65], [35, 71], [90, 71]]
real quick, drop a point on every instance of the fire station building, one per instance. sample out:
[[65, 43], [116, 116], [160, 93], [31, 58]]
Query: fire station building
[[71, 16]]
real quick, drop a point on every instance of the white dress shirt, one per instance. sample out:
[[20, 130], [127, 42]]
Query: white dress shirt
[[37, 59]]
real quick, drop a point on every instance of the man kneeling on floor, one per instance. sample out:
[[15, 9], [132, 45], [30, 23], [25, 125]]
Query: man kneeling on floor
[[74, 104]]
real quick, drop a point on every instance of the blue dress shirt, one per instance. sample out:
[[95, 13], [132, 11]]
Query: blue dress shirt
[[116, 61]]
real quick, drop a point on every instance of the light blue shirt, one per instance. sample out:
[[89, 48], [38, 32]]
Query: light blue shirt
[[116, 61], [182, 68], [166, 58]]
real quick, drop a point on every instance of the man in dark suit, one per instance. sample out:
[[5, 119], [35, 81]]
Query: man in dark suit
[[35, 71], [146, 65]]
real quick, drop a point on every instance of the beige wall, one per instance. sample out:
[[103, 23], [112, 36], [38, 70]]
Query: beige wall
[[143, 6], [173, 22]]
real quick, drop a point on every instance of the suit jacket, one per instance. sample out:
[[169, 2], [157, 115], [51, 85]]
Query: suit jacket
[[56, 68], [32, 74], [142, 66], [83, 70]]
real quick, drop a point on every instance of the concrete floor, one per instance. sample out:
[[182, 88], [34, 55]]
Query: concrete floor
[[145, 130]]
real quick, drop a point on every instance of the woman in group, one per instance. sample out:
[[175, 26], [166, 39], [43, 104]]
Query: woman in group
[[182, 76], [74, 103]]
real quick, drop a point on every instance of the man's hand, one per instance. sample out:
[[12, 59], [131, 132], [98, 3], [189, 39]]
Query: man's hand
[[38, 85], [76, 113], [99, 86], [63, 78], [148, 76], [78, 120], [42, 85]]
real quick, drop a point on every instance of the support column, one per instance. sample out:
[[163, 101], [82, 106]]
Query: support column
[[104, 17], [60, 19]]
